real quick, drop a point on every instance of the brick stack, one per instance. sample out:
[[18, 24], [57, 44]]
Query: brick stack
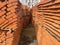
[[10, 22], [26, 15], [46, 19]]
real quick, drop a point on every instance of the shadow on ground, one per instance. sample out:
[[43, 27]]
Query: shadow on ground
[[28, 36]]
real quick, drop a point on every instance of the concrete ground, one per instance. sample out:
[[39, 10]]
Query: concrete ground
[[28, 36]]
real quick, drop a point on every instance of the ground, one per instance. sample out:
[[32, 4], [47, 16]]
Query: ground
[[28, 36]]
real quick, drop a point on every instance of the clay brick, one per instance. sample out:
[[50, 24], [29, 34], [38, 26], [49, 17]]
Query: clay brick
[[2, 13], [11, 15], [2, 4], [46, 18], [12, 21], [10, 5], [12, 8], [11, 1], [3, 8]]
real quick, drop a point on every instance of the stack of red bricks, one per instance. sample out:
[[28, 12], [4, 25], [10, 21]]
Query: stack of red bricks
[[11, 21], [46, 19], [26, 15]]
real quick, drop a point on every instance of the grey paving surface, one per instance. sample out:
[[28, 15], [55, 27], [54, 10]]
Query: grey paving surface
[[28, 36], [34, 43]]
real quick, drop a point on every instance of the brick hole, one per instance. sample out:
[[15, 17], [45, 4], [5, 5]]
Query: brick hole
[[2, 0]]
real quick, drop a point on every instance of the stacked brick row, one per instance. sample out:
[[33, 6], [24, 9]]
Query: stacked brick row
[[8, 23], [46, 19], [26, 15], [11, 21]]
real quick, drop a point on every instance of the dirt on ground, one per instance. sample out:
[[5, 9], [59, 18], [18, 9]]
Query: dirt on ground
[[28, 36]]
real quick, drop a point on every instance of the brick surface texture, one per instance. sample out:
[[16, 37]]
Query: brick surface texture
[[12, 21], [46, 19]]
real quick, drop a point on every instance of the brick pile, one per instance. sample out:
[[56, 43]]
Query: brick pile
[[26, 15], [11, 21], [46, 19]]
